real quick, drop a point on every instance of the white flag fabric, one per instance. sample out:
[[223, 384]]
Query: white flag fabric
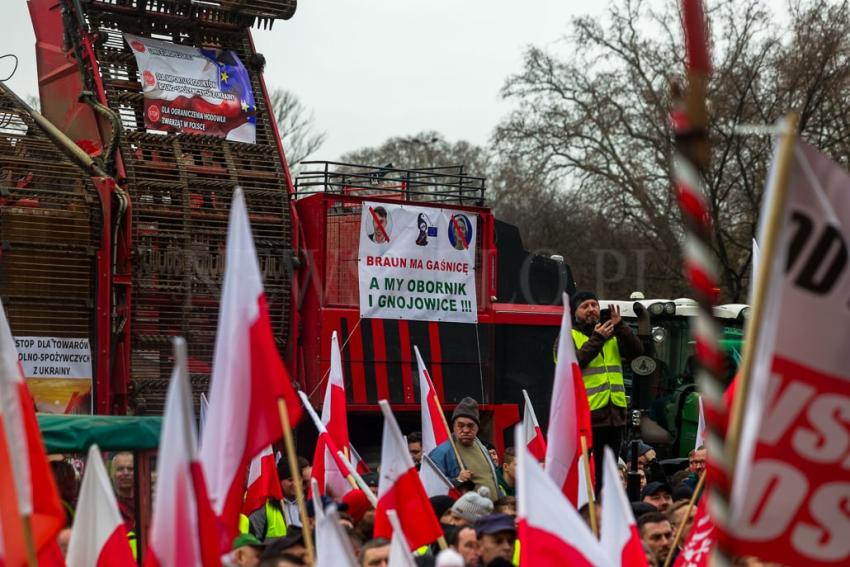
[[183, 526], [99, 536], [618, 534], [400, 555], [790, 487], [701, 431], [531, 429], [433, 479], [551, 530], [333, 547]]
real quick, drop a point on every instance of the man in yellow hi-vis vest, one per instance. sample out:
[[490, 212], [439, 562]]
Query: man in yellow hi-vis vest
[[600, 349]]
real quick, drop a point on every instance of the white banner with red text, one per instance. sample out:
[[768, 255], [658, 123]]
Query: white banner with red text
[[417, 263]]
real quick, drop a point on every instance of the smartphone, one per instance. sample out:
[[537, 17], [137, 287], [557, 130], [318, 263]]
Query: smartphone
[[604, 315]]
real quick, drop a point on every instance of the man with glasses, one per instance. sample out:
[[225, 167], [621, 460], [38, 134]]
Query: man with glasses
[[696, 464], [476, 464]]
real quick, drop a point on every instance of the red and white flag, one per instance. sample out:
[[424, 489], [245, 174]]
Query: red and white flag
[[550, 529], [618, 534], [701, 539], [434, 429], [569, 416], [400, 489], [434, 481], [263, 482], [534, 439], [99, 536], [248, 376], [27, 488], [332, 454], [791, 485], [701, 431], [183, 528], [326, 471]]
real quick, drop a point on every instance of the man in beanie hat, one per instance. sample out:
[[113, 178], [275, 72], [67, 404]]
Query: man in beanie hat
[[600, 349], [475, 462]]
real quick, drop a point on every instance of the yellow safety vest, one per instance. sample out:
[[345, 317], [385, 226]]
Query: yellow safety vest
[[244, 524], [603, 377], [275, 523], [131, 540]]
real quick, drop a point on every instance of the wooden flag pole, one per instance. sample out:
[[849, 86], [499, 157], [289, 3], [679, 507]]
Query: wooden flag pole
[[451, 439], [296, 478], [441, 541], [591, 503], [680, 529], [29, 543]]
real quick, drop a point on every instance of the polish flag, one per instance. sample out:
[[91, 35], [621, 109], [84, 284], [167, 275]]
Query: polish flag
[[569, 416], [435, 431], [400, 489], [359, 464], [700, 543], [331, 456], [701, 438], [325, 469], [183, 527], [434, 481], [619, 534], [534, 439], [99, 537], [333, 546], [27, 488], [400, 555], [248, 376], [550, 529], [263, 482]]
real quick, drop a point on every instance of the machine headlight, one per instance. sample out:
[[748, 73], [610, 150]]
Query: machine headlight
[[659, 334], [656, 308], [670, 308]]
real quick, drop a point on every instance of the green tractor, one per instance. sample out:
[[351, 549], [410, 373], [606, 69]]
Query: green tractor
[[663, 396]]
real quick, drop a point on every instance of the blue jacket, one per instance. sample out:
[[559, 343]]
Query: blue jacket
[[445, 459]]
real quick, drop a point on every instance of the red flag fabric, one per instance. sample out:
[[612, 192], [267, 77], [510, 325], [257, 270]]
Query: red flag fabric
[[434, 430], [791, 486], [361, 466], [331, 454], [183, 528], [98, 537], [400, 489], [700, 542], [569, 416], [263, 482], [27, 487], [326, 471], [550, 529], [248, 376], [534, 439], [618, 534]]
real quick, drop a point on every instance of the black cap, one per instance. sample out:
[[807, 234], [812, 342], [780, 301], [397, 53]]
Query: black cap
[[682, 492], [283, 472], [440, 504], [654, 488], [578, 298], [641, 508], [493, 524]]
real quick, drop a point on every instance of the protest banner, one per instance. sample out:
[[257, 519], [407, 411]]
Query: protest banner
[[194, 90], [417, 263], [791, 486], [58, 372]]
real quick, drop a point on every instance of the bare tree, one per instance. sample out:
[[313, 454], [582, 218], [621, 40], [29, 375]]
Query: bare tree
[[423, 150], [592, 119], [297, 127]]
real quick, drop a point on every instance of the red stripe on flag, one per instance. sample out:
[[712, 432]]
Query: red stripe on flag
[[407, 497], [10, 516], [544, 549], [116, 550], [211, 537]]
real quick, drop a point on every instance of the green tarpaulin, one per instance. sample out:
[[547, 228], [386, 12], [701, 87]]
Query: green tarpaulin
[[75, 433]]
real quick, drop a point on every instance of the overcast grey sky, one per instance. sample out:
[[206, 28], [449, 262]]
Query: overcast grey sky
[[372, 69]]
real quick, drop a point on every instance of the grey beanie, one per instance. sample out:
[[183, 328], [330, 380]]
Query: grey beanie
[[466, 408], [473, 505]]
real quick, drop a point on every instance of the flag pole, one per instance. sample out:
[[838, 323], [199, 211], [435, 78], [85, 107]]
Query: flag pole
[[296, 478], [591, 503], [421, 362], [320, 427], [778, 193], [29, 543], [680, 529]]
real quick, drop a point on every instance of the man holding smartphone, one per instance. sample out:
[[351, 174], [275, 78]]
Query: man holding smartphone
[[601, 344]]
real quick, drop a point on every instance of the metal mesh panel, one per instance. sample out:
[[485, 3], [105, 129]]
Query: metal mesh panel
[[181, 187], [50, 224]]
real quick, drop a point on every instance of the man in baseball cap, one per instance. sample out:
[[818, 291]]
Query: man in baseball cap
[[496, 535]]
